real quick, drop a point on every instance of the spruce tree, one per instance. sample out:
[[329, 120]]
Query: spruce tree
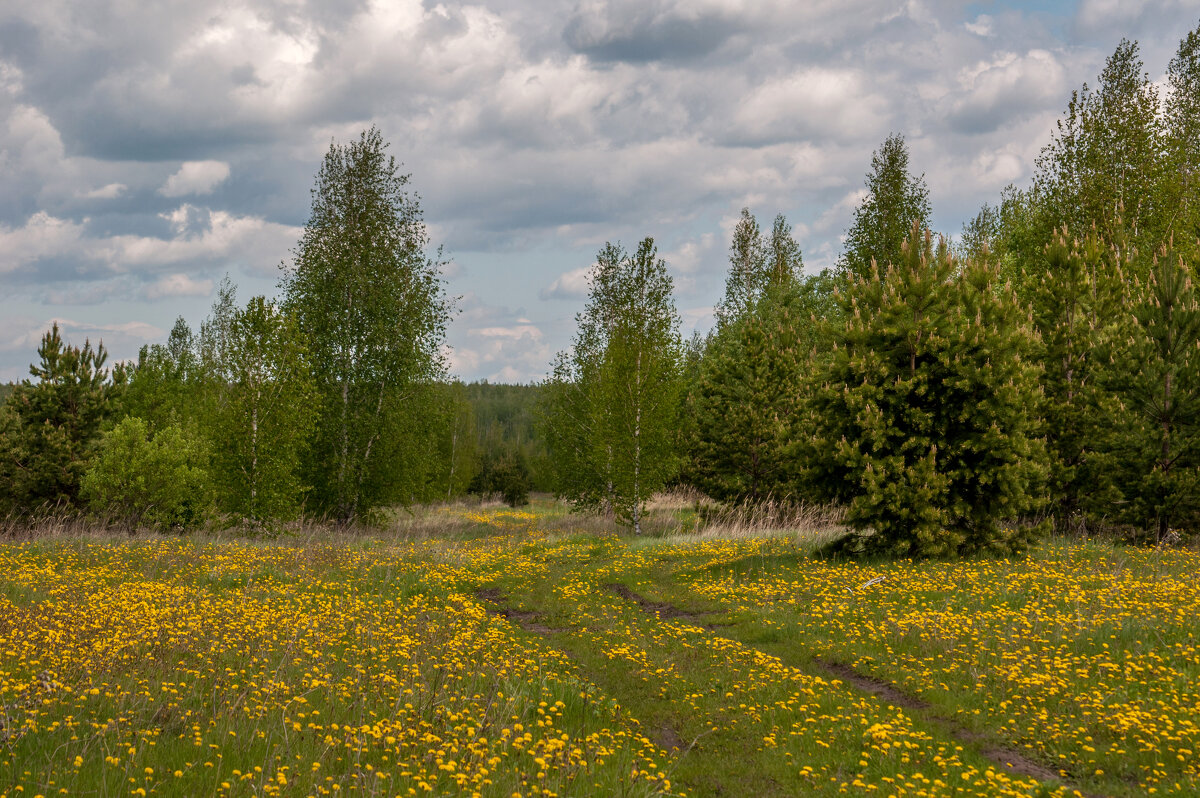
[[1161, 384], [895, 201], [921, 422]]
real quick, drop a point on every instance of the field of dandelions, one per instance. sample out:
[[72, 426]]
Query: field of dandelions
[[522, 654]]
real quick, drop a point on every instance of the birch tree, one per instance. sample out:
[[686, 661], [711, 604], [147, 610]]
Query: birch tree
[[609, 408], [264, 408], [371, 305]]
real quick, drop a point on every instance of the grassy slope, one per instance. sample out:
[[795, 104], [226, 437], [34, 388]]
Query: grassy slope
[[431, 660]]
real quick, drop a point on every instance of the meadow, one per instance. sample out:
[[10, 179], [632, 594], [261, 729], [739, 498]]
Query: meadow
[[497, 652]]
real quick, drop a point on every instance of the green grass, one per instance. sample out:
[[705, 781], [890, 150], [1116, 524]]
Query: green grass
[[416, 659]]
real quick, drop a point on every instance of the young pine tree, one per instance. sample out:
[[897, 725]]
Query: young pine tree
[[921, 424], [1161, 384], [1077, 304], [51, 426]]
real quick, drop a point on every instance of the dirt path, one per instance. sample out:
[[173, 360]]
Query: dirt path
[[999, 753]]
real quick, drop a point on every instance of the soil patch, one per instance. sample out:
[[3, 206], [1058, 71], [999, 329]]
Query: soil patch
[[496, 603]]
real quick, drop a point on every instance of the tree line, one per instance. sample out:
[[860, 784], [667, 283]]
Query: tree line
[[1040, 370], [332, 400], [1043, 370]]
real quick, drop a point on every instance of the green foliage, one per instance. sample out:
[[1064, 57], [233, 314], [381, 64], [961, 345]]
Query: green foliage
[[1181, 122], [745, 403], [921, 423], [155, 479], [1161, 383], [610, 408], [167, 385], [49, 427], [264, 408], [1077, 308], [506, 475], [895, 201], [505, 418], [1103, 168], [371, 306], [755, 263]]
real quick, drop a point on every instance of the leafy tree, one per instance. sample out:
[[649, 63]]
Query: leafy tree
[[609, 408], [153, 479], [371, 304], [168, 384], [1182, 133], [1077, 303], [755, 263], [264, 408], [1161, 364], [895, 201], [1103, 165], [453, 461], [747, 265], [921, 422], [51, 426]]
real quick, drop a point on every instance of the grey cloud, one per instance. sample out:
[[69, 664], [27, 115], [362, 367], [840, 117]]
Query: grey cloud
[[642, 32]]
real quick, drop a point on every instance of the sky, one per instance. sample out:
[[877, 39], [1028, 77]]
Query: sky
[[149, 149]]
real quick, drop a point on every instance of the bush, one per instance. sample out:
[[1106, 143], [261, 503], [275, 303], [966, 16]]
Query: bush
[[507, 475], [157, 481]]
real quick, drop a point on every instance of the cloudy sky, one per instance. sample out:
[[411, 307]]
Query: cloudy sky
[[147, 149]]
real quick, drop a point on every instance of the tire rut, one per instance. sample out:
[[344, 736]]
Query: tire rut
[[1003, 755]]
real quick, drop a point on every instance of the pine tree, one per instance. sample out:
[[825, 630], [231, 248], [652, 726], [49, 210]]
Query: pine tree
[[1077, 303], [746, 399], [51, 426], [371, 304], [921, 422], [895, 201], [1161, 364]]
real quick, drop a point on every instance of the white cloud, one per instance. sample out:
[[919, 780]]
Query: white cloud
[[195, 177], [568, 285], [177, 285], [110, 191]]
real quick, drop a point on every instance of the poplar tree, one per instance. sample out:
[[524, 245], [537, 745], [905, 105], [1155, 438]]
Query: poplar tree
[[895, 201], [1103, 166], [1181, 120], [921, 422], [371, 305]]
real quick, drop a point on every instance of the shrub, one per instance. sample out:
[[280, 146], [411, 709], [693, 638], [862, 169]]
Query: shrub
[[157, 481]]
